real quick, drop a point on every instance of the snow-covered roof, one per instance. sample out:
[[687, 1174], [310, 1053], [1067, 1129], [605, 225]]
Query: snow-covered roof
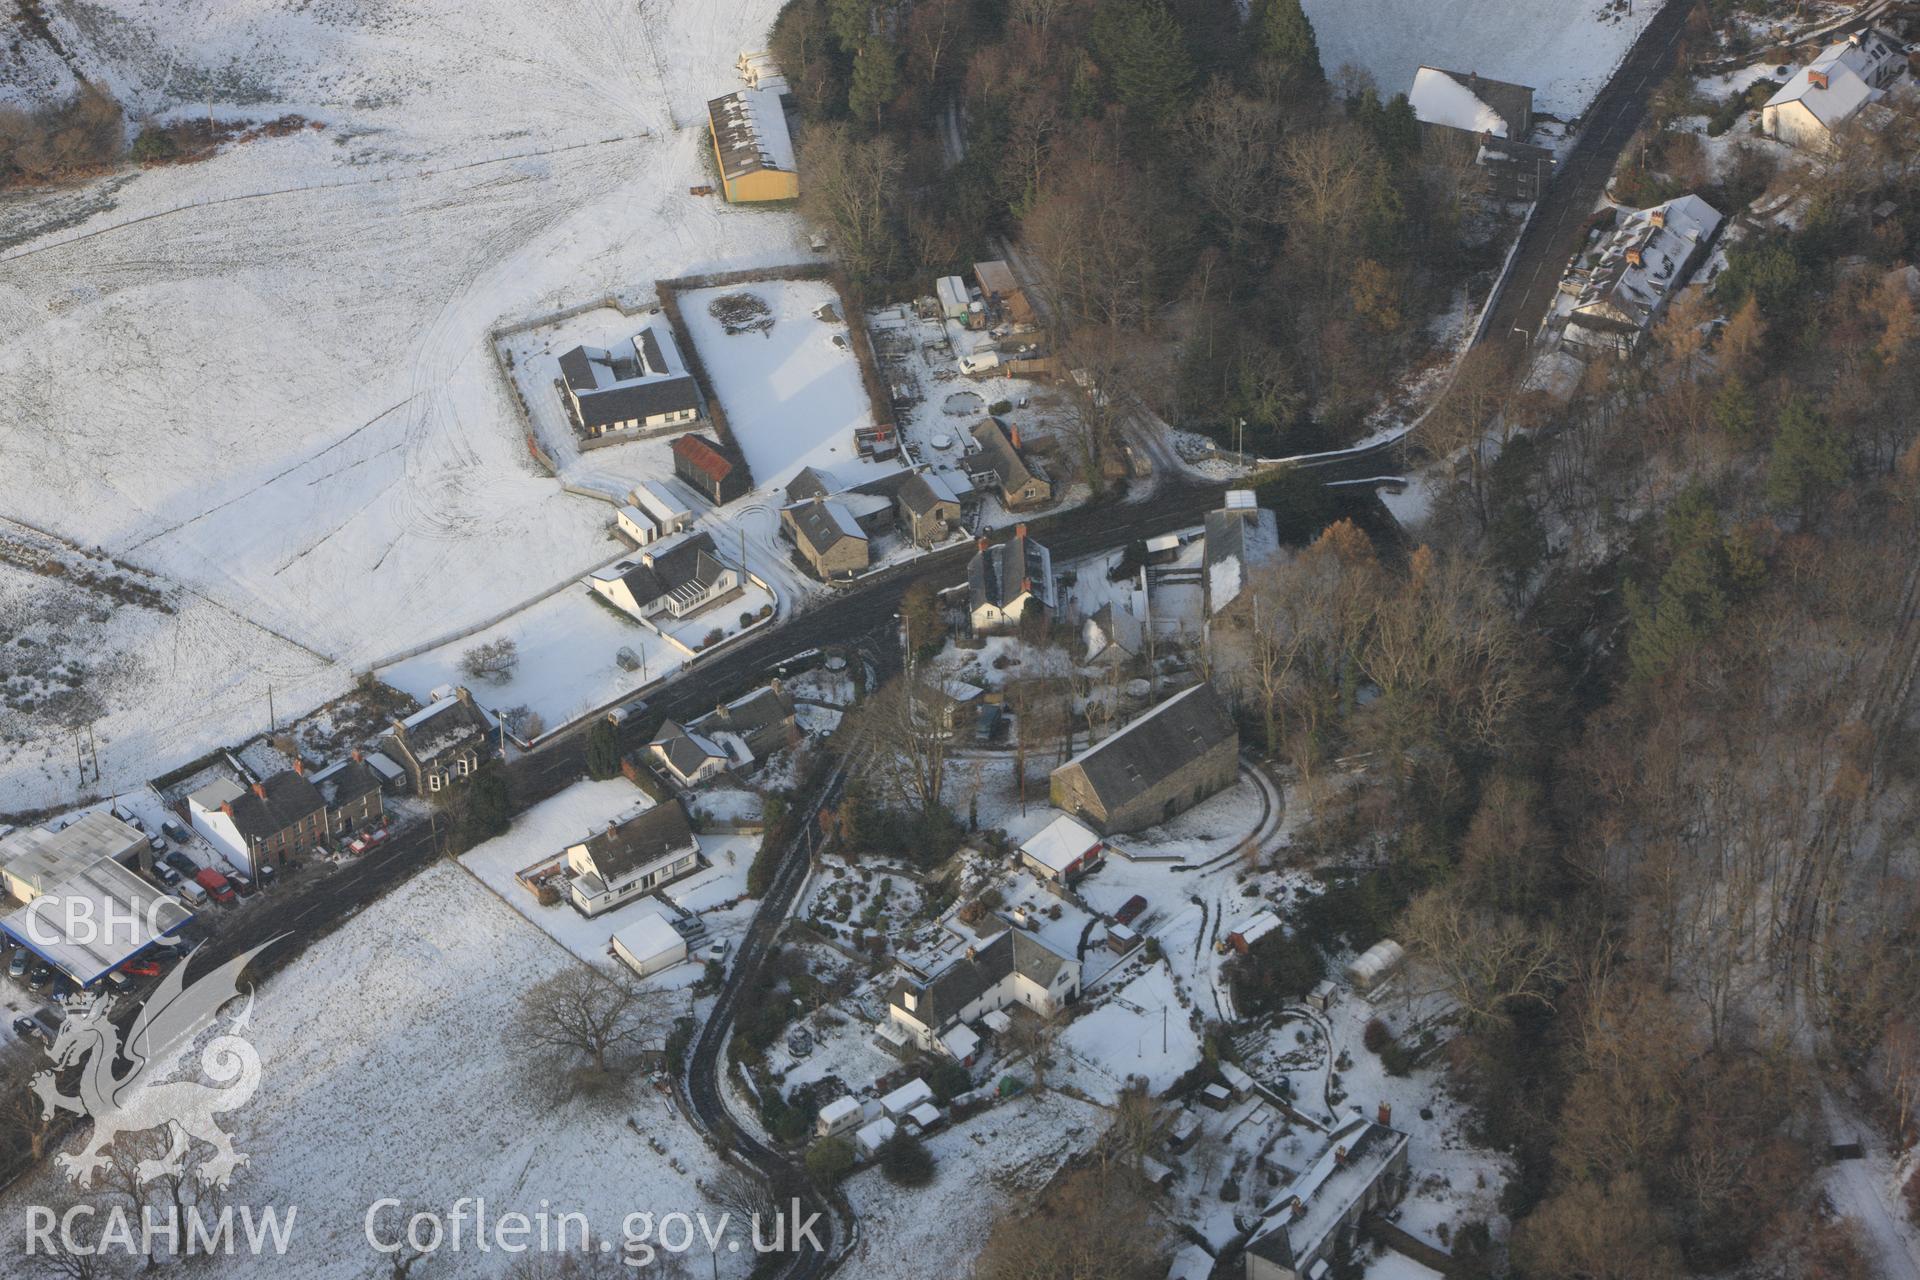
[[123, 914], [926, 1115], [41, 858], [1256, 927], [841, 1108], [1191, 1263], [1843, 79], [648, 936], [750, 131], [1440, 97], [1237, 1079], [1315, 1203], [1644, 262], [658, 501], [1060, 844], [906, 1097], [873, 1135], [216, 793], [1376, 961], [962, 1042]]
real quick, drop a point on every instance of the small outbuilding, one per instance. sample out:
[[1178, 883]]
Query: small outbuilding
[[648, 944], [838, 1117], [1376, 964], [870, 1137], [1063, 850]]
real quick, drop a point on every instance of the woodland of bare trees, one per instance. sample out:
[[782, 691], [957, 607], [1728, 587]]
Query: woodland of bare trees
[[1263, 247], [61, 141]]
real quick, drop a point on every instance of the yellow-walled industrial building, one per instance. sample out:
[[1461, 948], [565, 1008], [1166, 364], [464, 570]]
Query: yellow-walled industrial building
[[753, 146]]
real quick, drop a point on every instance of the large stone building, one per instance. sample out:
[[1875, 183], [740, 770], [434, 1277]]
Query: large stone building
[[1167, 761], [1361, 1167]]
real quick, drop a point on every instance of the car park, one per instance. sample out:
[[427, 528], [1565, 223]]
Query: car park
[[182, 863], [174, 831], [215, 884]]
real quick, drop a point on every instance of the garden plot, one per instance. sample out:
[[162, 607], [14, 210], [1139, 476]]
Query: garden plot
[[999, 1158], [1141, 1030], [847, 903], [384, 1075], [290, 407], [1454, 1181], [569, 655], [544, 832], [789, 380], [1566, 49]]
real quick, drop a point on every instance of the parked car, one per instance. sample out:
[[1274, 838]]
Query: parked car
[[17, 967], [165, 874], [141, 967], [175, 832], [1131, 911], [182, 863], [191, 894], [627, 711], [215, 884], [40, 977], [267, 873], [241, 884], [26, 1028], [157, 843], [117, 980]]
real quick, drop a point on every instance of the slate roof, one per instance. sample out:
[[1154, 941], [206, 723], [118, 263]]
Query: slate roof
[[811, 482], [1852, 68], [346, 781], [1161, 742], [1436, 101], [965, 978], [439, 726], [686, 750], [646, 837], [1351, 1161], [641, 399], [1665, 239], [688, 562], [922, 491], [290, 798], [576, 366], [997, 451], [996, 574], [824, 524], [756, 711]]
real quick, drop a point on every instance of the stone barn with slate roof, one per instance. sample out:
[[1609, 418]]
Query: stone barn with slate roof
[[1165, 762]]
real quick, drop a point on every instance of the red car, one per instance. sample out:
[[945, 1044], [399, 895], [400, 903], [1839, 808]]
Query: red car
[[1127, 914], [141, 968], [215, 884]]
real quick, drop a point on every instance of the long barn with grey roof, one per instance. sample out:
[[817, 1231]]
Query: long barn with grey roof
[[1167, 761]]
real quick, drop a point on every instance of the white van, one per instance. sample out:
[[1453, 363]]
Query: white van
[[191, 893]]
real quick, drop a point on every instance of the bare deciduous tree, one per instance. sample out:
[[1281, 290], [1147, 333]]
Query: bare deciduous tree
[[583, 1012], [492, 661]]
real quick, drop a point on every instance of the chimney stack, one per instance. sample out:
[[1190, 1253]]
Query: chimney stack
[[1013, 434], [1385, 1117], [226, 807], [300, 766], [355, 754], [260, 789], [1340, 1154], [980, 544], [1818, 79], [1020, 530]]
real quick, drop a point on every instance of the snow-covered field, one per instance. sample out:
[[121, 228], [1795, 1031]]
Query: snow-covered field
[[384, 1075], [1565, 49], [568, 645], [266, 376]]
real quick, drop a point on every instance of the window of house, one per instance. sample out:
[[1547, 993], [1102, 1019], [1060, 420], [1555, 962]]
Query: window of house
[[463, 766], [433, 782]]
